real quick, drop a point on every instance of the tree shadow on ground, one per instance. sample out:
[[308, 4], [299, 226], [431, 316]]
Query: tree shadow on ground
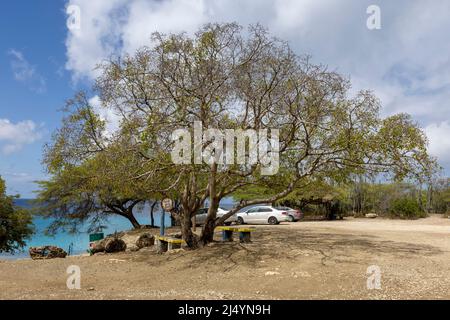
[[272, 245]]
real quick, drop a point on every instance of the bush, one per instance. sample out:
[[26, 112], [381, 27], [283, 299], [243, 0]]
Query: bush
[[15, 223], [406, 208]]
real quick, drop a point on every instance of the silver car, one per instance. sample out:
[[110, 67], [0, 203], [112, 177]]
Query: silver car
[[294, 215], [200, 216], [263, 215]]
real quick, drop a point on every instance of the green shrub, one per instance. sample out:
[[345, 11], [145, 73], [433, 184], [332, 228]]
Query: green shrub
[[406, 208], [15, 223]]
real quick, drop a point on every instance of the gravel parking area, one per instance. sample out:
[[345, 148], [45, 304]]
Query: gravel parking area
[[302, 260]]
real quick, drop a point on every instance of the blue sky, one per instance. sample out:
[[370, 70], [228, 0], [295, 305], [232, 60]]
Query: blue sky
[[406, 62], [33, 85]]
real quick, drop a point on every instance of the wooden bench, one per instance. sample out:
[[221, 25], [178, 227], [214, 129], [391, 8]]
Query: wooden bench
[[168, 243], [244, 233]]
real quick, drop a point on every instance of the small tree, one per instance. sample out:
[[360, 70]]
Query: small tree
[[438, 195], [407, 208], [15, 223]]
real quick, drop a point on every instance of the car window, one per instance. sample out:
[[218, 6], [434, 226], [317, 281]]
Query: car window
[[202, 211], [264, 210], [283, 208], [253, 210]]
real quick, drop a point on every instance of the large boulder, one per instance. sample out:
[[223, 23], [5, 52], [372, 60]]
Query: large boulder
[[46, 252], [132, 240], [114, 245], [97, 246], [109, 245], [145, 240]]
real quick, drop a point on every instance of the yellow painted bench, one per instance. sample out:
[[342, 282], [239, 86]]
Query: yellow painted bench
[[244, 233], [169, 243]]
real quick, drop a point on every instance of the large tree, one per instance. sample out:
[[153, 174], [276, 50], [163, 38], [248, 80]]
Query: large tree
[[15, 223], [225, 78]]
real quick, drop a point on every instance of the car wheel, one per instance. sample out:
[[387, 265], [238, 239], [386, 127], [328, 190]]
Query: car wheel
[[240, 220], [291, 219], [273, 220]]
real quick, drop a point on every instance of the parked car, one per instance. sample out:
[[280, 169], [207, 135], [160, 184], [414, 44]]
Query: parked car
[[200, 216], [262, 215], [294, 215]]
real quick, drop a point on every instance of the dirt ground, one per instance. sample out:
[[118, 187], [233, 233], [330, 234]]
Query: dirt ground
[[302, 260]]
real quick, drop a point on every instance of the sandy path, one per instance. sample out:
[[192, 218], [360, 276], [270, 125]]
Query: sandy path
[[304, 260]]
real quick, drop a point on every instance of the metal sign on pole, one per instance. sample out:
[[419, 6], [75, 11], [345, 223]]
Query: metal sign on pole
[[162, 224], [166, 205]]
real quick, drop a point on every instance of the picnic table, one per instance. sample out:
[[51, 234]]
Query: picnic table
[[169, 243], [244, 233]]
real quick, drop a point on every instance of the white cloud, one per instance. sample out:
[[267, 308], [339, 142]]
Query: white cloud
[[13, 136], [97, 37], [406, 63], [146, 17], [439, 134], [26, 73], [111, 119]]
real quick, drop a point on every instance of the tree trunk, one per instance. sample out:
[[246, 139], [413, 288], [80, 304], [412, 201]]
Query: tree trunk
[[173, 221], [132, 219], [210, 223], [186, 231], [430, 198], [152, 217], [208, 232]]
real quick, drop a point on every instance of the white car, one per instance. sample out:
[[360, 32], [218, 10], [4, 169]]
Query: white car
[[262, 215], [200, 216]]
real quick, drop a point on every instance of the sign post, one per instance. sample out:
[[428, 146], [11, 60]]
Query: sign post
[[166, 205], [162, 224]]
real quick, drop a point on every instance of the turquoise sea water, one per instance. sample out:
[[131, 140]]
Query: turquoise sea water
[[80, 241]]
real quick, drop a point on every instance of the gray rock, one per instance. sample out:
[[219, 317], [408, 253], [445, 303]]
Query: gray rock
[[98, 247], [46, 252], [114, 245], [145, 240], [130, 241]]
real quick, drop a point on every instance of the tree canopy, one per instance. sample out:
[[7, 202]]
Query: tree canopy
[[92, 175], [223, 78]]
